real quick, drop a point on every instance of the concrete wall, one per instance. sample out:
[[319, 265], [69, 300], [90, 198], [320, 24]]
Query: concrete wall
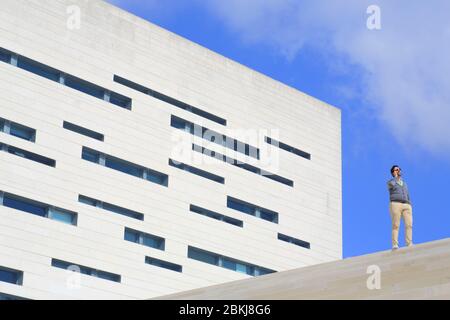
[[111, 41], [418, 272]]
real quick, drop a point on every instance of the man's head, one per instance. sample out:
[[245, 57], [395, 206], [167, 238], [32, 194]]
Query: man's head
[[396, 171]]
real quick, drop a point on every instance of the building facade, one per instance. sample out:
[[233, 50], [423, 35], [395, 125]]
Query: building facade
[[150, 165]]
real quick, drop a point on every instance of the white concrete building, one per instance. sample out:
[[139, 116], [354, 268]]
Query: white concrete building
[[93, 104]]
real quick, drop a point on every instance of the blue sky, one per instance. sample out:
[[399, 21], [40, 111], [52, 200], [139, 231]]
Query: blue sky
[[392, 85]]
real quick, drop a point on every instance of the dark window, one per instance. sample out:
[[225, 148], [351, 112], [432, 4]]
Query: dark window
[[163, 264], [83, 131], [71, 266], [178, 123], [11, 276], [31, 156], [295, 241], [124, 166], [132, 85], [170, 100], [84, 86], [107, 276], [86, 270], [288, 148], [277, 178], [240, 206], [66, 79], [269, 216], [110, 207], [145, 239], [21, 131], [226, 262], [132, 235], [91, 155], [5, 56], [262, 271], [38, 68], [122, 211], [203, 256], [242, 165], [213, 136], [157, 177], [88, 201], [196, 171], [215, 215], [25, 205], [120, 100], [247, 167], [9, 297], [39, 209], [252, 209], [17, 130]]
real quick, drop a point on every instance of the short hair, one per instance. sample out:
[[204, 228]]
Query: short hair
[[392, 169]]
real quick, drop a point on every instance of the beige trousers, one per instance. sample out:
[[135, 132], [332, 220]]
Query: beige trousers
[[401, 210]]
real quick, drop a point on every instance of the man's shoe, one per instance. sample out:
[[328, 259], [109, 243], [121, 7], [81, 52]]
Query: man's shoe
[[394, 248]]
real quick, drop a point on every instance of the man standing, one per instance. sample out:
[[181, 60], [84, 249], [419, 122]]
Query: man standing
[[399, 207]]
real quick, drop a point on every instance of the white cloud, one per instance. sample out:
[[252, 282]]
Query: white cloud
[[406, 63]]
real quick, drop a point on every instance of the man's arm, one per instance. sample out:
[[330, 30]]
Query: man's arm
[[390, 184]]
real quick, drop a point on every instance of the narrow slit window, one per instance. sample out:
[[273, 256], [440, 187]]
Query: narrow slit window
[[226, 262], [38, 68], [125, 166], [252, 209], [39, 209], [83, 131], [110, 207], [11, 276], [169, 100], [196, 171], [163, 264]]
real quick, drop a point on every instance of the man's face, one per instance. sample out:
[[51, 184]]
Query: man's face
[[397, 172]]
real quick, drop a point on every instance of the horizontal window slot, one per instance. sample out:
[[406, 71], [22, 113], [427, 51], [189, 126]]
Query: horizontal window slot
[[27, 155], [295, 241], [170, 100], [86, 270], [5, 56], [83, 131], [213, 136], [163, 264], [11, 276], [125, 166], [242, 165], [196, 171], [17, 130], [10, 297], [226, 262], [144, 239], [67, 80], [110, 207], [38, 208], [252, 209], [288, 148], [215, 215]]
